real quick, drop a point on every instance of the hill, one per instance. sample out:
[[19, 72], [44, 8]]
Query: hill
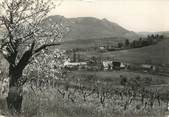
[[91, 43], [86, 32], [83, 28], [157, 54]]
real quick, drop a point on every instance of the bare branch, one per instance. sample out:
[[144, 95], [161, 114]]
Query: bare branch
[[26, 57], [25, 33], [45, 46]]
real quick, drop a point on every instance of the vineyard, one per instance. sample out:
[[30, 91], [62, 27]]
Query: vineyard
[[133, 96]]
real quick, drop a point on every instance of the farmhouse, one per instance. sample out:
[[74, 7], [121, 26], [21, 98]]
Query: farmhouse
[[118, 65], [107, 65], [102, 48], [68, 64], [148, 67]]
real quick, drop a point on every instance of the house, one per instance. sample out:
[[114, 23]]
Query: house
[[76, 65], [148, 67], [118, 65], [107, 65], [102, 48], [122, 65]]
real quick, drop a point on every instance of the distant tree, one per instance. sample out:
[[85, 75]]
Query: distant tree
[[127, 43], [120, 45], [134, 44], [152, 36], [161, 36], [157, 36], [140, 41]]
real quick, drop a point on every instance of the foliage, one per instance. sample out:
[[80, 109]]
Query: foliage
[[142, 42], [25, 39], [47, 65], [120, 45], [24, 32], [127, 43], [149, 40]]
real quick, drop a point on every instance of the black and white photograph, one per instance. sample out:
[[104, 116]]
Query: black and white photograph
[[84, 58]]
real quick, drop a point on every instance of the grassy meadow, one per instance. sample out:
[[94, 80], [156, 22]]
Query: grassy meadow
[[155, 54]]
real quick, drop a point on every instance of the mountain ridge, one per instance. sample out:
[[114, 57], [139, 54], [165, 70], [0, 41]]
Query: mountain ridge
[[90, 28]]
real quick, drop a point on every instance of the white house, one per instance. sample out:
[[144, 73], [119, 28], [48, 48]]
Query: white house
[[148, 67], [107, 65], [74, 64]]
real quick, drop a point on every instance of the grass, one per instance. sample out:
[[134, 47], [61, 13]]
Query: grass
[[41, 105], [156, 54], [49, 103], [114, 76], [89, 43]]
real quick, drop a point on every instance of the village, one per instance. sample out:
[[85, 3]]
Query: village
[[75, 62]]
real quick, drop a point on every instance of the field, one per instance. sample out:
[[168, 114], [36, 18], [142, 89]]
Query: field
[[95, 94], [89, 43], [155, 54], [121, 93], [114, 76]]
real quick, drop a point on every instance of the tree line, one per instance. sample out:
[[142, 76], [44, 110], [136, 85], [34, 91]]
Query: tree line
[[142, 42]]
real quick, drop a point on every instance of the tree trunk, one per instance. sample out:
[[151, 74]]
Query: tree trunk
[[14, 99]]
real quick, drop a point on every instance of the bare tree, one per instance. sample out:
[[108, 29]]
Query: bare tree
[[25, 36]]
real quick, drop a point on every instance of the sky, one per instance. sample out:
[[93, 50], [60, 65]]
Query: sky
[[134, 15]]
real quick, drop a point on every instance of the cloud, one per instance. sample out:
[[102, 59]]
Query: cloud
[[88, 0]]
